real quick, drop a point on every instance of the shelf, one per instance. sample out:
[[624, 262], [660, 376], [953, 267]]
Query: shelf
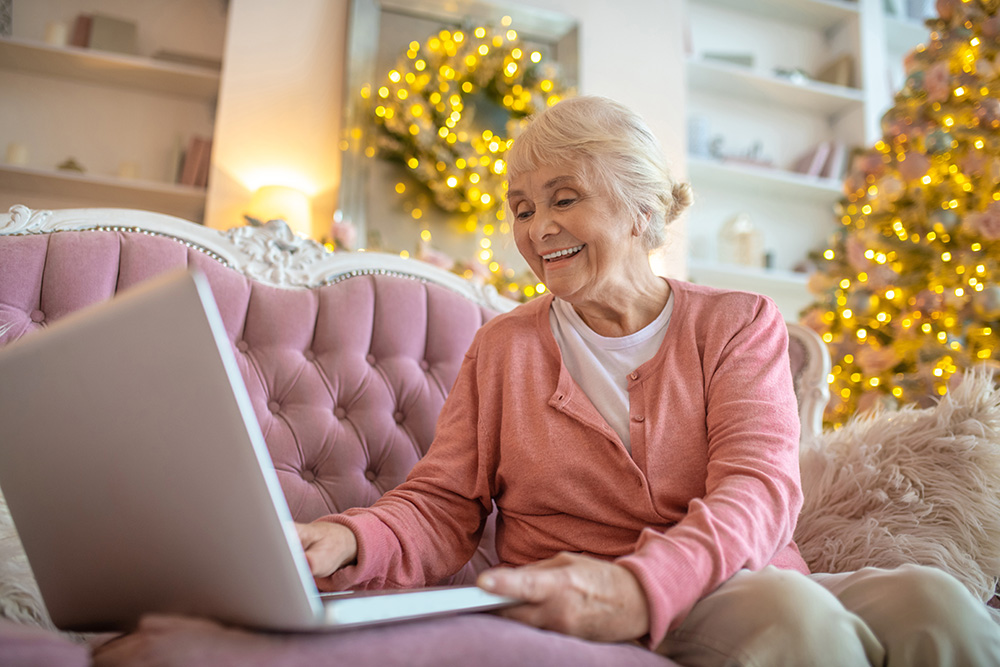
[[740, 83], [818, 14], [789, 289], [762, 180], [109, 68], [770, 277], [180, 200]]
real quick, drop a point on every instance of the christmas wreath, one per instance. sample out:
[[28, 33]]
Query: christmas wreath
[[451, 107]]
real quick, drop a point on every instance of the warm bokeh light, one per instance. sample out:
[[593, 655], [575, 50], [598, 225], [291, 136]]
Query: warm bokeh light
[[907, 293], [448, 111]]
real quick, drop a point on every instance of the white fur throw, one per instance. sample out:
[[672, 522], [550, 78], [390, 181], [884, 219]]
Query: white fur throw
[[19, 597], [909, 486]]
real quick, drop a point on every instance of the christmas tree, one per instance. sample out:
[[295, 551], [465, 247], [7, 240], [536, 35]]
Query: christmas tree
[[906, 291]]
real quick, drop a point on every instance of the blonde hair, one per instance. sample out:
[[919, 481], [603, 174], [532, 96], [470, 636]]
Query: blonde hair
[[607, 141]]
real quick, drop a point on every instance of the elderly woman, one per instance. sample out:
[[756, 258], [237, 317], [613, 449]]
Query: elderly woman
[[639, 437]]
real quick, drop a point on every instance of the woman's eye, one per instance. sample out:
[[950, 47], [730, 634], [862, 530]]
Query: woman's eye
[[524, 215], [564, 202]]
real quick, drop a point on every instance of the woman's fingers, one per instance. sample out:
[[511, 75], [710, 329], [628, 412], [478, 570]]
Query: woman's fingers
[[328, 546], [576, 595]]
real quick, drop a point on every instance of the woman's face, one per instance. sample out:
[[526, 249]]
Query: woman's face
[[572, 234]]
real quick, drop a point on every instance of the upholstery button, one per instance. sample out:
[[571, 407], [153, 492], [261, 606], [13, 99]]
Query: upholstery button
[[37, 316], [424, 365], [370, 475], [339, 412], [242, 346], [273, 406], [370, 359], [309, 475], [398, 416], [309, 355]]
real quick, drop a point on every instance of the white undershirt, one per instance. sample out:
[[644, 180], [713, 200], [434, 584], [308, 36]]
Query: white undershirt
[[601, 365]]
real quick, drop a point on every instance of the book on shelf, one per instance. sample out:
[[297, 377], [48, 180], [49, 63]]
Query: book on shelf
[[201, 178], [104, 33], [194, 166], [81, 31], [839, 71], [109, 33], [836, 163], [812, 162]]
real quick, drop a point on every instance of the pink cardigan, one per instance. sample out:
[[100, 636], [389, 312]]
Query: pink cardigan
[[712, 485]]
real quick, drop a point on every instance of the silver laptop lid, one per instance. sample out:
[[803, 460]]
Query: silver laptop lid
[[136, 472]]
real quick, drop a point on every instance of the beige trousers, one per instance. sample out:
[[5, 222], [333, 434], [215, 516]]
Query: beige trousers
[[906, 617]]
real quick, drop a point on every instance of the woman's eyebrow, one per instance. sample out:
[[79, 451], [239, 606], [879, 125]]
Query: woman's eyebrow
[[558, 180], [549, 184]]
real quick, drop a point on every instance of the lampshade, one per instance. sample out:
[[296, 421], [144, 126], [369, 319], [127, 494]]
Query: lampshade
[[282, 202]]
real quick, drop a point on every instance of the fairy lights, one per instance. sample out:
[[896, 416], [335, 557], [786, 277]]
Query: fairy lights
[[473, 90], [448, 111]]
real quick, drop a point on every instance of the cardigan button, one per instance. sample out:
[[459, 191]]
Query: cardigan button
[[638, 418], [634, 375]]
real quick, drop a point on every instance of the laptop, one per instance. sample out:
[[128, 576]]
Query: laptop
[[139, 481]]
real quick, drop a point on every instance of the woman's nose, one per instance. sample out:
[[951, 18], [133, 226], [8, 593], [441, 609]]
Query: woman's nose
[[543, 225]]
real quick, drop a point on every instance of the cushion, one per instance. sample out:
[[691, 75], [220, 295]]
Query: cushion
[[482, 640], [26, 646], [909, 486]]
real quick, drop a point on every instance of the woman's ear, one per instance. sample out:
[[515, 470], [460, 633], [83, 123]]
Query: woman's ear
[[641, 223]]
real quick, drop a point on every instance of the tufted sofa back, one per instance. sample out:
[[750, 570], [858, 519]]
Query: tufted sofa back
[[346, 379]]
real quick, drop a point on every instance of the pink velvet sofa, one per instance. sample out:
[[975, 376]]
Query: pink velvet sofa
[[348, 358]]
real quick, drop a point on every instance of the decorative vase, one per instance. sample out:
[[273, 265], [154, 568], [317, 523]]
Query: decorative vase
[[741, 242]]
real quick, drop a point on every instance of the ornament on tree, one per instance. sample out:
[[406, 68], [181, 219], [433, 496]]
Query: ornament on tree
[[987, 303], [907, 294]]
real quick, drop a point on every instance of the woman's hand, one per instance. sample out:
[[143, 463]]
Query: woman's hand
[[576, 595], [328, 546]]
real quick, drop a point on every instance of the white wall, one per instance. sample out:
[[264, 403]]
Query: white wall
[[283, 78], [280, 104]]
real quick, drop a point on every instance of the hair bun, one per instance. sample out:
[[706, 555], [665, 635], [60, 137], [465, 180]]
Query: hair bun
[[683, 197]]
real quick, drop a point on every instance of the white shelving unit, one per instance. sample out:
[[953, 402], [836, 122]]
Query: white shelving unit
[[107, 111], [761, 117], [109, 69]]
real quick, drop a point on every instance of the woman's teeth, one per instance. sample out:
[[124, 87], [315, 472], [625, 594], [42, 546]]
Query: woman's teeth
[[562, 253]]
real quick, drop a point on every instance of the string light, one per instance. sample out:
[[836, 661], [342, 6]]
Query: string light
[[907, 288], [430, 109]]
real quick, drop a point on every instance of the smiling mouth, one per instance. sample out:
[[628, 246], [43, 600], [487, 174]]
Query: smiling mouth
[[562, 254]]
